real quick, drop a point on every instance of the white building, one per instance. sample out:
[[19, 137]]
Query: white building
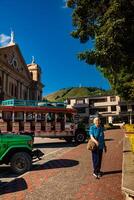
[[110, 108]]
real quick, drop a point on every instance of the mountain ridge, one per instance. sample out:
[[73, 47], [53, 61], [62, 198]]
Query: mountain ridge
[[74, 92]]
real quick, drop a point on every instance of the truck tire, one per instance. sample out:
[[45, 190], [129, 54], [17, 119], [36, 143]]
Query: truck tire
[[80, 137], [21, 162]]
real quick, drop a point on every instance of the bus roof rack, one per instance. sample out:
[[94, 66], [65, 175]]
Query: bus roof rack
[[52, 104], [21, 102]]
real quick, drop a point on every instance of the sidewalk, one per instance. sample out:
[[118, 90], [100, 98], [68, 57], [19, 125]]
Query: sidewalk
[[70, 176]]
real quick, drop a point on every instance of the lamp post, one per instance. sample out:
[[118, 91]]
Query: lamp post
[[130, 115]]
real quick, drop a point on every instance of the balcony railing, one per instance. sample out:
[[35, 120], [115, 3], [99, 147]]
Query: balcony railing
[[85, 105], [98, 104]]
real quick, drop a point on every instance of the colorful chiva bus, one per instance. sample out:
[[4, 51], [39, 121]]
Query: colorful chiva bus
[[40, 120]]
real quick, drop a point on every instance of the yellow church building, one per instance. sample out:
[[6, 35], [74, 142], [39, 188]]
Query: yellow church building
[[17, 79]]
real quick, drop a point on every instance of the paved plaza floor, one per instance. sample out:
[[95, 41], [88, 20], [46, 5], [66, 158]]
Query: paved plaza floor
[[68, 176]]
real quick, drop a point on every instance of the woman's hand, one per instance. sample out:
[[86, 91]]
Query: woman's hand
[[95, 141]]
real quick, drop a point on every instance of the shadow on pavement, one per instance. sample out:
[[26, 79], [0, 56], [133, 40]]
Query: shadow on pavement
[[109, 139], [13, 186], [5, 172], [112, 172], [126, 151], [59, 163], [54, 145]]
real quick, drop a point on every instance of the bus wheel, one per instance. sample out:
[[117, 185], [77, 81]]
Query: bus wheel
[[80, 137], [68, 139]]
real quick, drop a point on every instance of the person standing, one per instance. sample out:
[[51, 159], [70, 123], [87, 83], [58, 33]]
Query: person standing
[[97, 135]]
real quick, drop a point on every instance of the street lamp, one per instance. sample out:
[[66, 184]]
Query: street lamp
[[130, 115]]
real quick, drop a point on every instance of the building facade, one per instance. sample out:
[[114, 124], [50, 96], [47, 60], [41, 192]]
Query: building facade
[[17, 79], [112, 109]]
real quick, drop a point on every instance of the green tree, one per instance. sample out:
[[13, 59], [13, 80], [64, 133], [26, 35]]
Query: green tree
[[110, 25]]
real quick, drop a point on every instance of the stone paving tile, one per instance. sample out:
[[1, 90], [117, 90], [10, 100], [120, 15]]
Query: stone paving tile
[[70, 176]]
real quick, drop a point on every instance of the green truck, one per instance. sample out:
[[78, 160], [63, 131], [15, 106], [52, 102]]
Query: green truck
[[17, 150]]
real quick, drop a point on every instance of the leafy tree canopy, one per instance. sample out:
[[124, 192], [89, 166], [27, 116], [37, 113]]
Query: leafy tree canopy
[[110, 25]]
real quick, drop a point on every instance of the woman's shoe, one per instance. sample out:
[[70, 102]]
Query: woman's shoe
[[100, 174], [96, 176]]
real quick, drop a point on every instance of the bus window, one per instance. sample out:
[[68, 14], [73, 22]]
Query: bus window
[[7, 116], [50, 117], [60, 118], [39, 117], [30, 116], [43, 117], [18, 116], [69, 118]]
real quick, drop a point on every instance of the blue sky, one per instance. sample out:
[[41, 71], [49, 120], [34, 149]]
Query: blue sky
[[42, 29]]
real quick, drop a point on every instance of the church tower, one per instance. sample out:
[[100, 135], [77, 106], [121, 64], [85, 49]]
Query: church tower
[[35, 72]]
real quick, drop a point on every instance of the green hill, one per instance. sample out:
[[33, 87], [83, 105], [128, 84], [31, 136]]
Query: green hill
[[65, 93]]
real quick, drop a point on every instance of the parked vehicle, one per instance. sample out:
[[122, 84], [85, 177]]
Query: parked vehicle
[[40, 119], [17, 150]]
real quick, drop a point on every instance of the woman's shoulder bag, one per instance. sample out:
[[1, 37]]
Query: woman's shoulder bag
[[91, 145]]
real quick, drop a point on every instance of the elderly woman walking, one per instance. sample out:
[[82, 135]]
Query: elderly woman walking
[[97, 136]]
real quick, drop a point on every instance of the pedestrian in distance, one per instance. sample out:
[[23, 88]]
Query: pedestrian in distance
[[96, 132]]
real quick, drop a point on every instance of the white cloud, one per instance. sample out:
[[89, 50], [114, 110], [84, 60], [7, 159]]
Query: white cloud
[[65, 4], [4, 39]]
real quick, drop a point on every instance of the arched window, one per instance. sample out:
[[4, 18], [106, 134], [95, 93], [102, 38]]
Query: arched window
[[0, 81], [15, 91], [31, 74], [38, 76], [12, 88], [0, 84], [25, 94]]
